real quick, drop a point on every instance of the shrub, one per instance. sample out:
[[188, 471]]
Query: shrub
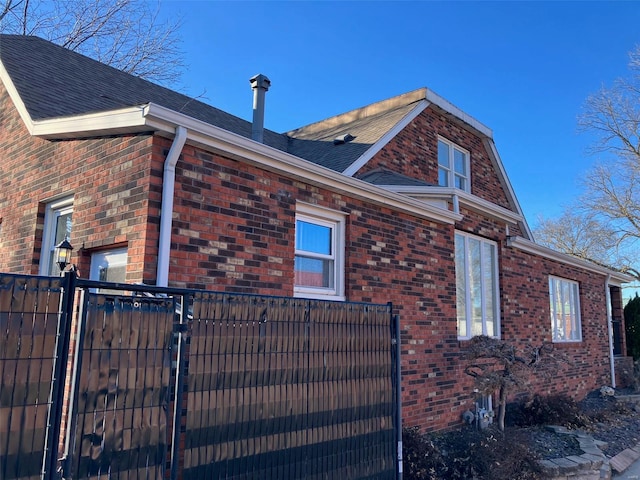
[[544, 410], [469, 453], [420, 457]]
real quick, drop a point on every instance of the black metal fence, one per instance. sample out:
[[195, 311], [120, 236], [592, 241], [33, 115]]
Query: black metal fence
[[31, 329], [191, 384]]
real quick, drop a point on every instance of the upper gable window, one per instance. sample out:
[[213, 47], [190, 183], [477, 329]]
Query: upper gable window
[[319, 257], [453, 165]]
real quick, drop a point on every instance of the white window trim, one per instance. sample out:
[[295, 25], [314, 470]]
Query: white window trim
[[576, 307], [114, 257], [337, 221], [467, 302], [451, 173], [51, 213]]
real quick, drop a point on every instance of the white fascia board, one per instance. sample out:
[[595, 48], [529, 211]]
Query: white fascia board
[[122, 120], [528, 246], [15, 97], [240, 147], [449, 107], [493, 151], [466, 199], [386, 138]]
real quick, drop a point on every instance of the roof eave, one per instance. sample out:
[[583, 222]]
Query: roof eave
[[531, 247], [237, 146], [352, 169], [112, 122], [450, 108], [152, 117], [465, 199]]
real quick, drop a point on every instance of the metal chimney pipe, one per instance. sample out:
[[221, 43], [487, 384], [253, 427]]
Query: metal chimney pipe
[[260, 84]]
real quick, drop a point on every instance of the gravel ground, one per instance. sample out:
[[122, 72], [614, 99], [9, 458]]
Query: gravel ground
[[616, 423]]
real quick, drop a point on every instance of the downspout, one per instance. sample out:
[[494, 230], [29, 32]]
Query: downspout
[[166, 212], [456, 203], [610, 329]]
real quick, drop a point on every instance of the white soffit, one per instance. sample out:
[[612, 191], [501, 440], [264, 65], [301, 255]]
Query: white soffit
[[127, 119]]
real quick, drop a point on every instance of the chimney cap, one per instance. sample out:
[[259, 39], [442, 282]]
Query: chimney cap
[[260, 81]]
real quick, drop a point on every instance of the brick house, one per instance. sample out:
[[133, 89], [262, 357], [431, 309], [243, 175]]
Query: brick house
[[405, 200]]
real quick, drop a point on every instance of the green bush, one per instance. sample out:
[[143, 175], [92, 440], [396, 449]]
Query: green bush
[[632, 327]]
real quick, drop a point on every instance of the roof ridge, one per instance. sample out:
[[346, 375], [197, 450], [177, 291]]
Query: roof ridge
[[362, 112]]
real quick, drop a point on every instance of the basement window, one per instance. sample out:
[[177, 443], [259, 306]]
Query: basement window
[[109, 266]]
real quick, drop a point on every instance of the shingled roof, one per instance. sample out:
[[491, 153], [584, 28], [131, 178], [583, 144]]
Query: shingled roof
[[367, 125], [53, 81]]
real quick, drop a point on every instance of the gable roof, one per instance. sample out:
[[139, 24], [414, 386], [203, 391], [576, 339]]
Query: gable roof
[[63, 94], [54, 82], [367, 125]]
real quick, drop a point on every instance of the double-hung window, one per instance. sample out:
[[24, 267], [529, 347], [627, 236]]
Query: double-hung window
[[319, 255], [57, 226], [477, 298], [564, 297], [453, 165]]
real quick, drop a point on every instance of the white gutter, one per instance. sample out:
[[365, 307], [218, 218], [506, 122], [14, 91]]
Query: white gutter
[[615, 278], [610, 329], [166, 212], [264, 156]]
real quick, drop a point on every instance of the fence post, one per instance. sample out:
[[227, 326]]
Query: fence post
[[60, 372], [396, 340], [181, 362]]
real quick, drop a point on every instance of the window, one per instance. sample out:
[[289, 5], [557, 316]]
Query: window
[[109, 266], [453, 165], [57, 227], [319, 256], [477, 299], [564, 297]]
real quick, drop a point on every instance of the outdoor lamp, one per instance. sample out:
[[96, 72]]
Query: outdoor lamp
[[63, 254]]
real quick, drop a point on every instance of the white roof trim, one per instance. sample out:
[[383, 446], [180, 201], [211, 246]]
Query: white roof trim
[[154, 117], [386, 138], [108, 122], [264, 156], [15, 97], [531, 247], [449, 107], [493, 152], [468, 200]]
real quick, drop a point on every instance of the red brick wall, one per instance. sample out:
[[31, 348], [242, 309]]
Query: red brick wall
[[109, 179], [234, 229], [414, 153], [583, 366]]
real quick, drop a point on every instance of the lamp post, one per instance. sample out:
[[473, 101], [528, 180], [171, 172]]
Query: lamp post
[[62, 254]]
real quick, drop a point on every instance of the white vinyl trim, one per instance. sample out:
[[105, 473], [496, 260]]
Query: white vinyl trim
[[386, 138]]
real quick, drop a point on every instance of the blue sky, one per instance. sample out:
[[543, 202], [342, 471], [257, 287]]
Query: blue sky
[[523, 69]]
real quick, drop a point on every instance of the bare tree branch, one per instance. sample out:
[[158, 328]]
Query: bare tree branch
[[126, 34], [605, 225]]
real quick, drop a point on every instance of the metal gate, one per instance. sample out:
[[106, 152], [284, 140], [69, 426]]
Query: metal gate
[[192, 384]]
